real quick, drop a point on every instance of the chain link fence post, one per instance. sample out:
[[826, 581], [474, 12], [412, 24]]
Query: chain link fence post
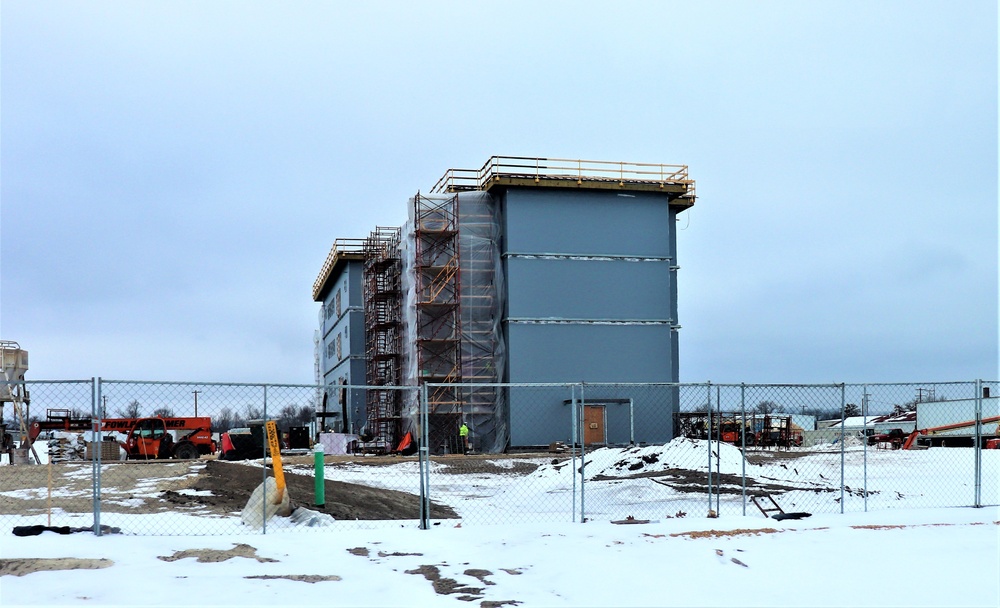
[[583, 457], [573, 433], [424, 457], [865, 418], [743, 446], [843, 447], [708, 441], [263, 469], [978, 447], [95, 409]]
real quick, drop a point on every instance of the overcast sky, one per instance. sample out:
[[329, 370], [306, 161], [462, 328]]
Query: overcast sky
[[174, 173]]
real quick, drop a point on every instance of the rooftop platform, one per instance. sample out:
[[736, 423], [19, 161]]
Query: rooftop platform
[[523, 171], [342, 251]]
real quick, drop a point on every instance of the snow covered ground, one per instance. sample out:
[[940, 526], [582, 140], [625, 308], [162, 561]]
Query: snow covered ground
[[910, 557], [644, 482], [537, 556]]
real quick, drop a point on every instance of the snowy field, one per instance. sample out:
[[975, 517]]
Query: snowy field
[[916, 529], [647, 482], [935, 557]]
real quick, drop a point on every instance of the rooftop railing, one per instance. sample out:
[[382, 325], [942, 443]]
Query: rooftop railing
[[340, 247], [548, 169]]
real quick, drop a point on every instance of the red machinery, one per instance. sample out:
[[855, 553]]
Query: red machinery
[[146, 438]]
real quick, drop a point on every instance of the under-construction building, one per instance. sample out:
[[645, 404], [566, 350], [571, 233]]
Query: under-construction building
[[527, 270]]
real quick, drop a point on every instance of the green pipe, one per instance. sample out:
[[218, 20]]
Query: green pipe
[[319, 476]]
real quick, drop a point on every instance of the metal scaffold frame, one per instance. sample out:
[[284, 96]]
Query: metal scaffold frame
[[438, 339], [383, 349]]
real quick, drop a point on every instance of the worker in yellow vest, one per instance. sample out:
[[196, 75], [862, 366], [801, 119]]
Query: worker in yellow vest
[[463, 434]]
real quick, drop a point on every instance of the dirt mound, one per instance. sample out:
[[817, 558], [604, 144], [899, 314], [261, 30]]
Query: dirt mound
[[231, 483]]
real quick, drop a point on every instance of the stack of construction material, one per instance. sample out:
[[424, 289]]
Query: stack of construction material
[[67, 446], [110, 450]]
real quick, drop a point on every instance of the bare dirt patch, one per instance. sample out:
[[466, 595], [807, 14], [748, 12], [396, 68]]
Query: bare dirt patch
[[205, 485], [446, 586], [727, 533], [302, 578], [480, 575], [24, 566], [126, 487], [216, 555]]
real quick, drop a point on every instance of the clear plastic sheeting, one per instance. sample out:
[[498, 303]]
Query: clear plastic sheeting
[[483, 354], [482, 406], [411, 402]]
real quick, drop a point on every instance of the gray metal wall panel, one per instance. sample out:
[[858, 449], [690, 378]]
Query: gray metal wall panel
[[587, 222], [591, 353], [350, 325], [569, 222], [540, 416], [587, 289], [355, 277]]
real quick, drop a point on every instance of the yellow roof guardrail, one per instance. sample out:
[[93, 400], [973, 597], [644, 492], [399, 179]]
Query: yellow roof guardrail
[[542, 169]]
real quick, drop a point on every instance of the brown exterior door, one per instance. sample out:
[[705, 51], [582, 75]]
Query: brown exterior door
[[593, 424]]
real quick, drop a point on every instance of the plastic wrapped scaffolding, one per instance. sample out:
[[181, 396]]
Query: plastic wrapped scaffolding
[[454, 336], [484, 407]]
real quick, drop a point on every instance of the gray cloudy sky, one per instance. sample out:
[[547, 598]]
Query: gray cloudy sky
[[174, 173]]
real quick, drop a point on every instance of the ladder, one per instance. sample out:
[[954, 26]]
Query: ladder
[[766, 509]]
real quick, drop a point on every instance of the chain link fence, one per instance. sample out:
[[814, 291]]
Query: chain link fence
[[62, 491], [161, 458]]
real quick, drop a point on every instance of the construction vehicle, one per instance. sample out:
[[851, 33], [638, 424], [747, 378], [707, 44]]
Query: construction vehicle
[[778, 431], [150, 438], [731, 432], [953, 423], [247, 442], [771, 430], [895, 438], [937, 436]]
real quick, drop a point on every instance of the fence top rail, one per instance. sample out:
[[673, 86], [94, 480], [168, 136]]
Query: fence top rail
[[503, 384], [559, 384], [941, 383], [444, 384], [6, 382], [780, 385], [185, 383]]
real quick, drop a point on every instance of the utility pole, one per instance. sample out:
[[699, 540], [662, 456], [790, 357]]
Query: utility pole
[[196, 403]]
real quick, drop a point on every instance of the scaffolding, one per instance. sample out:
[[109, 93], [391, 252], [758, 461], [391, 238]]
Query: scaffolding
[[484, 404], [438, 329], [383, 348]]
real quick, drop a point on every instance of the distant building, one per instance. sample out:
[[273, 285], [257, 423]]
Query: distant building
[[527, 270], [341, 337]]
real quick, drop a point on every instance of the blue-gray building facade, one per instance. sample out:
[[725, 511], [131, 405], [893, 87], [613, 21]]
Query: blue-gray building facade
[[342, 345], [591, 296], [568, 274]]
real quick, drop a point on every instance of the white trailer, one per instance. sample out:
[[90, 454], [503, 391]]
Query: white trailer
[[953, 423]]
